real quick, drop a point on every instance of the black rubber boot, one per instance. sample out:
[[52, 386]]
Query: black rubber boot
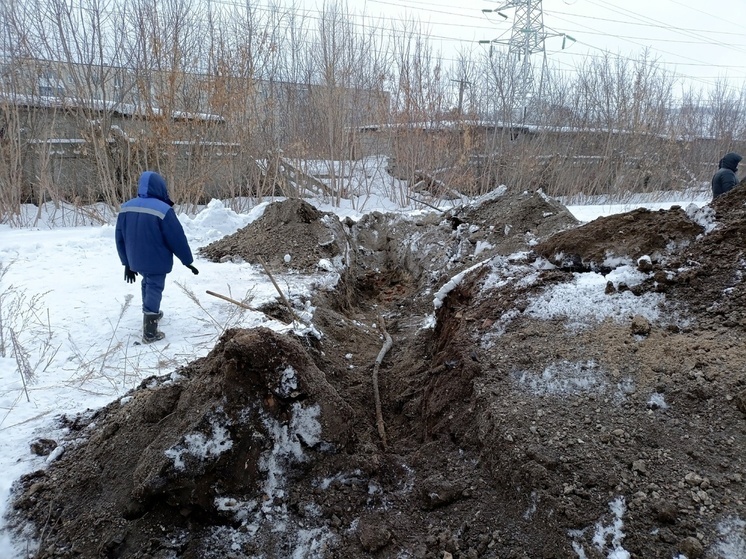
[[150, 332]]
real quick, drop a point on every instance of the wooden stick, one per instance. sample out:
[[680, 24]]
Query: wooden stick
[[224, 298], [424, 203], [277, 287], [381, 354]]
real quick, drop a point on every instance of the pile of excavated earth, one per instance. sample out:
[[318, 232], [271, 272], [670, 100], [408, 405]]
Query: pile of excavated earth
[[457, 400]]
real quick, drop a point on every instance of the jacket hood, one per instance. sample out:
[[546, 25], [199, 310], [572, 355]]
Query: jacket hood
[[730, 161], [152, 185]]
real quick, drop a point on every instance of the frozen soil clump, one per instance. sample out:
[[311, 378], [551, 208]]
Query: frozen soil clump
[[520, 420]]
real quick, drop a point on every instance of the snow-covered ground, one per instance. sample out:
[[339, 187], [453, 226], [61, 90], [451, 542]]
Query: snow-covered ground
[[68, 320]]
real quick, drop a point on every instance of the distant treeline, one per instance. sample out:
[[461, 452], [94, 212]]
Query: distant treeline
[[218, 96]]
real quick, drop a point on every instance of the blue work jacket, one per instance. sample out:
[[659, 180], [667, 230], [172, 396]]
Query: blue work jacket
[[148, 233]]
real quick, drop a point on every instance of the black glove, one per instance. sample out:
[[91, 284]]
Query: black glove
[[129, 275], [194, 270]]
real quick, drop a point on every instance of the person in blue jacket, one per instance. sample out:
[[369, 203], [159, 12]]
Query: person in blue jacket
[[725, 177], [148, 235]]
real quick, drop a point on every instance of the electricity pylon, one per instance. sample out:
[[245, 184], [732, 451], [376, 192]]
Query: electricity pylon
[[527, 37]]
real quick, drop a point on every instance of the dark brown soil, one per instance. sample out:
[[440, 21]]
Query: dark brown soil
[[290, 235], [507, 434]]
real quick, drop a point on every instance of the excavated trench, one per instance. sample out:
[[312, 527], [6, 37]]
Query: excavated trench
[[508, 434]]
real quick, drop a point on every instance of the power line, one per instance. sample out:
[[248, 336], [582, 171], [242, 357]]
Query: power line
[[705, 80], [676, 41], [659, 25], [703, 13], [693, 60], [660, 62], [602, 3], [574, 70]]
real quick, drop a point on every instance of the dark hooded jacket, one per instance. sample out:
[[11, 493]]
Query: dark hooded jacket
[[148, 233], [725, 178]]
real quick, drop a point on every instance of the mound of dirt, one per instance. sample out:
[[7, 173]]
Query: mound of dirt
[[515, 222], [517, 424], [291, 234], [204, 449], [600, 244], [709, 275]]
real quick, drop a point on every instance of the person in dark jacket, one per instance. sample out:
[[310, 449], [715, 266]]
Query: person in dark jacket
[[725, 178], [148, 235]]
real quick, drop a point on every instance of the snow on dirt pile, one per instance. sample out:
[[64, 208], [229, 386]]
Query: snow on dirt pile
[[195, 464], [421, 253], [610, 377], [608, 242], [513, 222], [516, 425]]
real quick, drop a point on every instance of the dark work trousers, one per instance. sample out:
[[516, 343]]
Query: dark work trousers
[[152, 291]]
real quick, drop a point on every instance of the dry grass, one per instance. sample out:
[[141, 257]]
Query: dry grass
[[232, 315]]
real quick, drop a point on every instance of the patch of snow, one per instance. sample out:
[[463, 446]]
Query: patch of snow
[[612, 261], [223, 538], [613, 531], [607, 538], [674, 246], [303, 425], [201, 446], [312, 543], [481, 247], [657, 401], [578, 549], [334, 265], [499, 327], [326, 282], [288, 382], [490, 196], [313, 509], [240, 509], [704, 216], [453, 283], [55, 454], [564, 378], [272, 514], [732, 541], [584, 301], [217, 220]]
